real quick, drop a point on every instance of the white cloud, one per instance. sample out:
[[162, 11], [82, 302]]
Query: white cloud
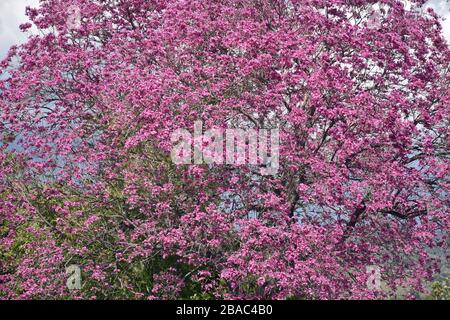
[[12, 14]]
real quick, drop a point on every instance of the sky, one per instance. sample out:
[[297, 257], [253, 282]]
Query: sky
[[12, 14]]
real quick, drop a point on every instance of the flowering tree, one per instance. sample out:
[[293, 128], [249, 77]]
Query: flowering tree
[[358, 89]]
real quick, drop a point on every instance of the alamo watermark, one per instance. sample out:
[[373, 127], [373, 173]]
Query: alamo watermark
[[255, 147], [74, 280], [73, 17], [374, 278]]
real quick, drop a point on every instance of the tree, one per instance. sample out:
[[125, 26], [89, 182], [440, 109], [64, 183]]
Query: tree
[[358, 90]]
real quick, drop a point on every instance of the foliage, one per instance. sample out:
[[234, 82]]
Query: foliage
[[440, 290]]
